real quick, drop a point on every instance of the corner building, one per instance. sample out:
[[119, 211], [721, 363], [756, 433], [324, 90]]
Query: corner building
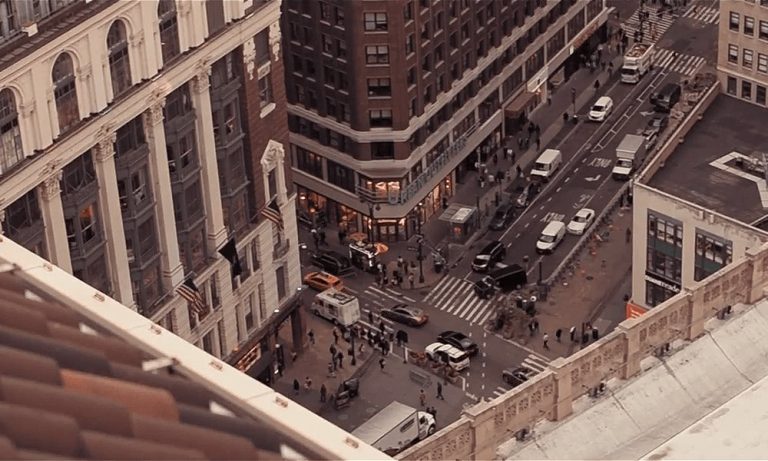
[[136, 138], [392, 102], [742, 55]]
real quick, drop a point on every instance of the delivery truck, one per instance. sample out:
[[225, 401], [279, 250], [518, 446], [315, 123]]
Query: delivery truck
[[340, 308], [637, 62], [396, 428], [628, 155]]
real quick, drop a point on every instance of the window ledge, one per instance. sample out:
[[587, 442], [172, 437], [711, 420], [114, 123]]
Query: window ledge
[[267, 110]]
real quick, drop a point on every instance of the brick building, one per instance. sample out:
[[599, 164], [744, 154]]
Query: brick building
[[392, 102]]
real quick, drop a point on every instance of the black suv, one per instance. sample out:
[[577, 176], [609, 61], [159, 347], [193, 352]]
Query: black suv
[[488, 256], [503, 216], [332, 262]]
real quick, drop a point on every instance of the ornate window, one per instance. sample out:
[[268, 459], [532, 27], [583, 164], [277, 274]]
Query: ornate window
[[119, 62], [10, 135], [24, 223], [65, 92], [169, 29]]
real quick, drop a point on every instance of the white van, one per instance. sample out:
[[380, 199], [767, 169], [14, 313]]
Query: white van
[[445, 353], [547, 163], [340, 308], [550, 237]]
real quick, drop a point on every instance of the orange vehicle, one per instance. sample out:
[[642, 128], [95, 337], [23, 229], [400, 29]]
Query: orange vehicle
[[321, 281]]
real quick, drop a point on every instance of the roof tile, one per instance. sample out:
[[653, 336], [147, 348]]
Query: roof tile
[[27, 365], [103, 446], [185, 391], [40, 430], [112, 348]]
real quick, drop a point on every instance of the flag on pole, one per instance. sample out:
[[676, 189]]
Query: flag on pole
[[188, 290], [272, 212], [229, 251]]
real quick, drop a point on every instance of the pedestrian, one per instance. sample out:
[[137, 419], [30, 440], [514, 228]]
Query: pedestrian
[[549, 99], [629, 235], [342, 236], [422, 397], [538, 143], [370, 317], [411, 280], [382, 328], [573, 333], [332, 350], [332, 369], [307, 383], [440, 391], [323, 393], [519, 171], [545, 338], [296, 386], [597, 85], [335, 333], [558, 334], [565, 117], [311, 335], [361, 348], [535, 325], [340, 358], [400, 263], [382, 362]]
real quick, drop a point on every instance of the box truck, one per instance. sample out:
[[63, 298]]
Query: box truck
[[638, 60], [396, 428], [340, 308], [628, 154]]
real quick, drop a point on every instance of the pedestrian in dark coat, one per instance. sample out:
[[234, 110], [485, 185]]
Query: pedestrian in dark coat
[[440, 391], [558, 334], [296, 386], [323, 393]]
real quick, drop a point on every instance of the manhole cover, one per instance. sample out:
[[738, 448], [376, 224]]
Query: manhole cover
[[589, 277]]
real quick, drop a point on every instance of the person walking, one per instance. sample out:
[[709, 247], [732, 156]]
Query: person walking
[[572, 331], [322, 237], [535, 325], [538, 143], [296, 386], [440, 391], [400, 263], [323, 393], [340, 358], [315, 237], [546, 340], [335, 333], [307, 384], [558, 334], [422, 397], [370, 317], [411, 280], [382, 362]]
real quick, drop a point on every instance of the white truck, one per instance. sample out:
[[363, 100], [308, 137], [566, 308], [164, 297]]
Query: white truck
[[637, 62], [627, 153], [395, 428], [340, 308]]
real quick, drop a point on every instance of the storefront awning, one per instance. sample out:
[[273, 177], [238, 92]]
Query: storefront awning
[[457, 213], [518, 104]]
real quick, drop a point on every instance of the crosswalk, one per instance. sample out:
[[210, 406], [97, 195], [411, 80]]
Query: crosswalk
[[707, 15], [683, 64], [632, 24], [379, 297], [456, 296], [536, 363]]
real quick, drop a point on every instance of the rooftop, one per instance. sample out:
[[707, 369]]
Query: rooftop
[[710, 168], [84, 377]]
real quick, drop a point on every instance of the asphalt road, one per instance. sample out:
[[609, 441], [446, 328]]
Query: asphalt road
[[584, 180]]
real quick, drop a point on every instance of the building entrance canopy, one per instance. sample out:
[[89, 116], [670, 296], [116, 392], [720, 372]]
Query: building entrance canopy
[[457, 213]]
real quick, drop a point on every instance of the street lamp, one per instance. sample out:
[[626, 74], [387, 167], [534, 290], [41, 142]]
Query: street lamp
[[421, 246]]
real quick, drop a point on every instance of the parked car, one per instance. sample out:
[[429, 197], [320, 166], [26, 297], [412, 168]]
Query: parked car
[[403, 313], [491, 254], [459, 341], [517, 376], [503, 216], [581, 221], [601, 109], [656, 125], [527, 195], [332, 262], [321, 281], [665, 100]]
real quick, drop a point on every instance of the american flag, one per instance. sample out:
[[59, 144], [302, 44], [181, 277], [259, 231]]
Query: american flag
[[188, 290], [272, 212]]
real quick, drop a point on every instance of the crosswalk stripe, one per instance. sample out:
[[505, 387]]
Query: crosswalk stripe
[[482, 304], [481, 312], [683, 64], [486, 317], [449, 285], [459, 302], [460, 313], [453, 289], [535, 363], [500, 391], [436, 289], [707, 15], [632, 24], [382, 293]]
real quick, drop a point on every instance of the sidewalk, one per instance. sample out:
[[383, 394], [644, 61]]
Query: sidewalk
[[313, 363], [595, 283]]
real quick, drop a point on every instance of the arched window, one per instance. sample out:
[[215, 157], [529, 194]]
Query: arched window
[[10, 135], [65, 92], [169, 29], [119, 63]]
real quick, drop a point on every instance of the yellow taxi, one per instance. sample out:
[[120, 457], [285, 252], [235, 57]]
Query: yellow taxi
[[321, 281]]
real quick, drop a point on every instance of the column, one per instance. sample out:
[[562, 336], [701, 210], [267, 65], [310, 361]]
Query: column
[[109, 199], [173, 272], [206, 148], [53, 217]]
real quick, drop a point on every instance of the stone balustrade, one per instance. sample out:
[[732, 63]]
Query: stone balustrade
[[550, 394]]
